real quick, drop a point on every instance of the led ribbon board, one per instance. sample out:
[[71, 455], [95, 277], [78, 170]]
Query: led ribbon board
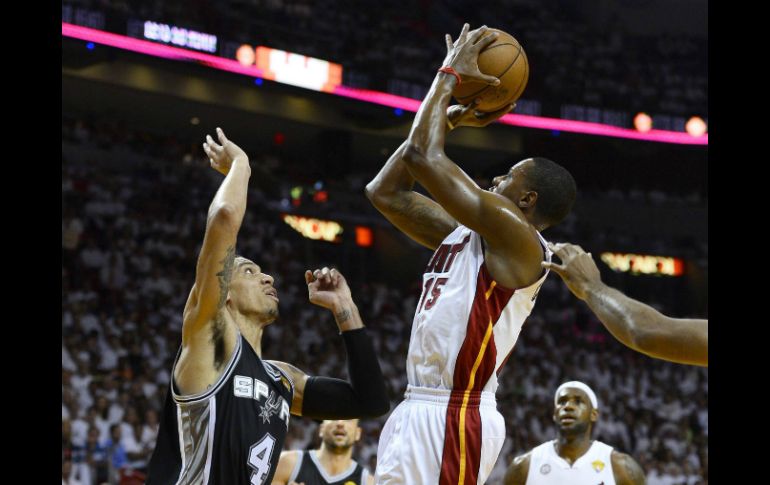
[[643, 264], [311, 228], [288, 69]]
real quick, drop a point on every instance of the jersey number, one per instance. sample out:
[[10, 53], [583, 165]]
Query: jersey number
[[432, 286], [259, 459]]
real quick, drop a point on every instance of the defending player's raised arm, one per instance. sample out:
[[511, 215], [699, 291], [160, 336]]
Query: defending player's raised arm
[[215, 261], [364, 396], [499, 221], [417, 216], [632, 322], [517, 471]]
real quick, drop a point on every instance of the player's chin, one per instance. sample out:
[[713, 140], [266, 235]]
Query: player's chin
[[272, 312]]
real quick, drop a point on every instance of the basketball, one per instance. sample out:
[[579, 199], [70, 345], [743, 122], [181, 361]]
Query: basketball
[[505, 59]]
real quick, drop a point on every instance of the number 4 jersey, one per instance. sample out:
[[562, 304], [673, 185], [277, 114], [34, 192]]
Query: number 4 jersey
[[231, 434], [466, 324]]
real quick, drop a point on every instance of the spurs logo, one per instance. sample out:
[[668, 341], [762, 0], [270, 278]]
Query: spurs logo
[[271, 407]]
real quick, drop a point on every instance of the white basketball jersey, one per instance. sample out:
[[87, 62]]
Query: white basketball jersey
[[546, 467], [466, 324]]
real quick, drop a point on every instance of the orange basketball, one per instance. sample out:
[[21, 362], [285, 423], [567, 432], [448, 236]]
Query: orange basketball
[[505, 59]]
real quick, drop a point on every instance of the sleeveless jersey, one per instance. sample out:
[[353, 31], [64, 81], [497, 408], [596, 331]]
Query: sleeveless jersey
[[309, 471], [230, 434], [546, 467], [466, 324]]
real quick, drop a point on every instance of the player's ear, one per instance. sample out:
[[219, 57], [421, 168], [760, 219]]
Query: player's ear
[[594, 415]]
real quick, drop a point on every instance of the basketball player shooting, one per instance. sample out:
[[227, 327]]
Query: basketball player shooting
[[478, 288]]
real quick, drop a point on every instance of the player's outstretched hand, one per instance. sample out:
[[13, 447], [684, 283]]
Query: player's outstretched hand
[[327, 288], [221, 157], [578, 269]]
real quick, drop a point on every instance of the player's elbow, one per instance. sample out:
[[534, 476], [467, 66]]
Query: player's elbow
[[222, 213], [414, 154], [375, 193], [644, 339]]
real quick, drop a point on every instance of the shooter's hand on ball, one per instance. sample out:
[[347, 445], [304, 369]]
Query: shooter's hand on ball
[[462, 55]]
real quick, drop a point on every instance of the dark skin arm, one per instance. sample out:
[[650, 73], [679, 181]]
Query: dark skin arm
[[417, 216], [392, 193], [513, 250], [633, 323], [626, 470], [517, 471]]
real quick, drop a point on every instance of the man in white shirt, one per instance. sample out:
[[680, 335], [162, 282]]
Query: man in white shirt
[[573, 457]]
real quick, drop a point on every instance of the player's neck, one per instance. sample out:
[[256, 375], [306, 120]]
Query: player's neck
[[251, 332], [573, 447], [334, 463]]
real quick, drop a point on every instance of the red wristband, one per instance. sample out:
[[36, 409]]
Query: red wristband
[[450, 70]]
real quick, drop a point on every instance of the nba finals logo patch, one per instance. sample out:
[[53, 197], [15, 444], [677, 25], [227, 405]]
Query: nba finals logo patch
[[545, 469], [349, 482], [598, 466]]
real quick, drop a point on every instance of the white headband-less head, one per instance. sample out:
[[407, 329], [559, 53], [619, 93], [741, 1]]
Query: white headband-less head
[[582, 387]]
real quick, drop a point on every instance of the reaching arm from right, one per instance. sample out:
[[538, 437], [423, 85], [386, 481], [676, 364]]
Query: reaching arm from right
[[633, 323]]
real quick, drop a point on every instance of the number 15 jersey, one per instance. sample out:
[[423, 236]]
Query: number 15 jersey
[[466, 324]]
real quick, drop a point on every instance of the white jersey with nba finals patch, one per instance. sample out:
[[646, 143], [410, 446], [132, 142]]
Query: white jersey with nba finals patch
[[546, 467], [466, 324]]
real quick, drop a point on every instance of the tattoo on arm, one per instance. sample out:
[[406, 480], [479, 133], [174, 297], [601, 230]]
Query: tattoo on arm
[[630, 472], [414, 209], [226, 275], [430, 218], [342, 316]]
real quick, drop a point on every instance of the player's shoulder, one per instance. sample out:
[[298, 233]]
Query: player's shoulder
[[626, 470], [518, 470], [291, 456], [286, 464], [523, 459]]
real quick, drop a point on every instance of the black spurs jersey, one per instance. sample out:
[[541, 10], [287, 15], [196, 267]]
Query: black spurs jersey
[[309, 471], [230, 434]]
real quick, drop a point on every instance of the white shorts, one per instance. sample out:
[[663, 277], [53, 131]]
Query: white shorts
[[440, 437]]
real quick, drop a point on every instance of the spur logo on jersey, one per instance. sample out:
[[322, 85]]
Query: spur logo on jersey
[[270, 407], [250, 388], [442, 259]]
